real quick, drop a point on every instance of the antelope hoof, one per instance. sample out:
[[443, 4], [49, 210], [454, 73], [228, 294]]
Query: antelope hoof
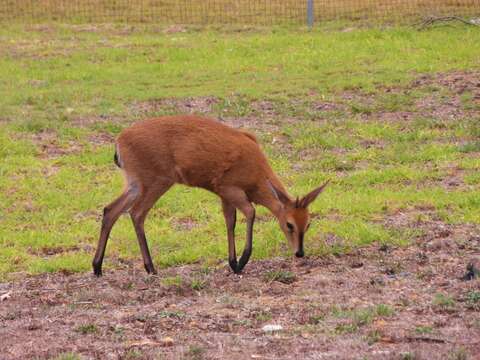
[[241, 264], [233, 265], [150, 269], [97, 272], [299, 254], [97, 269]]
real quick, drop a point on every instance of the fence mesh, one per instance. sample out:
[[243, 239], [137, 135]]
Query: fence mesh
[[255, 12]]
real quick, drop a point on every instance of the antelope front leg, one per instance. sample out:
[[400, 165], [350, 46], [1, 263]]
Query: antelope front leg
[[230, 214], [111, 213], [249, 212], [139, 212], [237, 198]]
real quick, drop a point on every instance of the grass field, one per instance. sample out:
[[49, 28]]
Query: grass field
[[391, 116]]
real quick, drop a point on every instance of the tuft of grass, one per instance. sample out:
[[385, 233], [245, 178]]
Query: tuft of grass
[[360, 317], [133, 354], [242, 322], [195, 352], [263, 316], [361, 109], [473, 300], [283, 276], [422, 330], [373, 336], [86, 329], [346, 328], [383, 310], [469, 147], [173, 281], [443, 302], [67, 356], [205, 269], [198, 284], [459, 353], [408, 356], [118, 332], [172, 314]]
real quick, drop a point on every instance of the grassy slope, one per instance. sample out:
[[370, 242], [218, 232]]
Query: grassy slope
[[62, 85]]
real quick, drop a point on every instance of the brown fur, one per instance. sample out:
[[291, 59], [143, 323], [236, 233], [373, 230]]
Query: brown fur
[[195, 151]]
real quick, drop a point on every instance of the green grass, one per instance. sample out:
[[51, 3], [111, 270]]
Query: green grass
[[195, 352], [422, 330], [473, 300], [133, 354], [87, 329], [172, 314], [286, 277], [175, 281], [61, 89], [198, 283], [360, 317], [67, 356], [443, 302], [263, 316]]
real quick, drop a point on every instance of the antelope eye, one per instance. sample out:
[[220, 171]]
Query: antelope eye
[[290, 227]]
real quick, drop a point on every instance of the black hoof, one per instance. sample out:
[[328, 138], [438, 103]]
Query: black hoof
[[150, 269], [97, 271], [233, 265], [241, 264], [299, 254]]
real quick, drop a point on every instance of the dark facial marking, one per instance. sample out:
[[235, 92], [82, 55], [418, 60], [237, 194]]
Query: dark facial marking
[[299, 252]]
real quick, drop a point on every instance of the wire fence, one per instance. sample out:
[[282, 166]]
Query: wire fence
[[254, 12]]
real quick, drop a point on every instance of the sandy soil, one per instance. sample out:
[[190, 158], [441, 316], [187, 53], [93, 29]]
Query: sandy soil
[[326, 307]]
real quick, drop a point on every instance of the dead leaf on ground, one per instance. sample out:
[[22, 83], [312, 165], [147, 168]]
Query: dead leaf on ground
[[143, 342], [5, 296]]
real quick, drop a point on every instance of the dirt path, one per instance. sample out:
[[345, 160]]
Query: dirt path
[[378, 303]]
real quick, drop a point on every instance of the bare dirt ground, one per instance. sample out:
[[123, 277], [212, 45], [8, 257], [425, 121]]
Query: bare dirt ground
[[378, 302]]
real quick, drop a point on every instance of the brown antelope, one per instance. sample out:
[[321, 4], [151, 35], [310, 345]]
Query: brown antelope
[[200, 152]]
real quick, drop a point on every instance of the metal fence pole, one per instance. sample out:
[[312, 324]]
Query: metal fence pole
[[310, 13]]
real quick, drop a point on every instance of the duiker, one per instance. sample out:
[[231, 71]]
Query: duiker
[[200, 152]]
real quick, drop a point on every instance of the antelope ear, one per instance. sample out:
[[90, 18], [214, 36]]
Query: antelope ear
[[279, 194], [312, 195]]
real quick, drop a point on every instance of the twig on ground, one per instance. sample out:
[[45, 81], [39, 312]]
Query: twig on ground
[[426, 339], [42, 289], [422, 25]]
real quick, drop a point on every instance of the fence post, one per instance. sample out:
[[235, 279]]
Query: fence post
[[310, 13]]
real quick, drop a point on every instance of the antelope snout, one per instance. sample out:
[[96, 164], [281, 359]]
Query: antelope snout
[[299, 254]]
